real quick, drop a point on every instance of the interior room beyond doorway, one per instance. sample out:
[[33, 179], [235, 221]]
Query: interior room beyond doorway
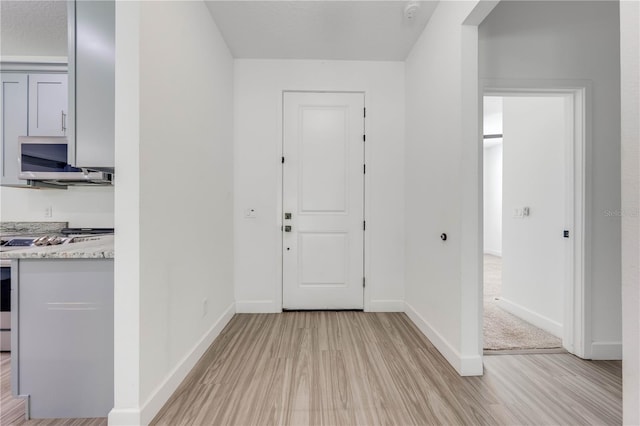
[[526, 140]]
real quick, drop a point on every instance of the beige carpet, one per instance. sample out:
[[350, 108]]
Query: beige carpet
[[502, 330]]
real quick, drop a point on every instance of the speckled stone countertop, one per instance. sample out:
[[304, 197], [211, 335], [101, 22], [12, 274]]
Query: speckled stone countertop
[[99, 248]]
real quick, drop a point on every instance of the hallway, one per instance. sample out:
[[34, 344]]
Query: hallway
[[348, 368]]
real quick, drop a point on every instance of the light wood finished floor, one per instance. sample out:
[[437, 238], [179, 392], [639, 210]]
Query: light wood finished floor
[[354, 368]]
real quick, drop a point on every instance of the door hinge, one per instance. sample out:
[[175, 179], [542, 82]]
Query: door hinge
[[365, 112], [364, 225], [364, 138], [282, 160], [364, 168], [565, 233], [363, 282]]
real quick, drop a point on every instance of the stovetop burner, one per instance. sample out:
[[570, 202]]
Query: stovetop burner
[[45, 240], [66, 236], [19, 242]]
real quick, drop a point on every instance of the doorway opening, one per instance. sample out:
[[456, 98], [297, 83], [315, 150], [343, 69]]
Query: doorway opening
[[529, 252]]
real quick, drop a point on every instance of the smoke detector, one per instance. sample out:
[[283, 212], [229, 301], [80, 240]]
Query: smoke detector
[[411, 10]]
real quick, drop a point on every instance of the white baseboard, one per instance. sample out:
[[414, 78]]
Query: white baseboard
[[35, 59], [164, 391], [257, 307], [606, 350], [386, 305], [464, 365], [124, 417], [532, 317], [493, 252]]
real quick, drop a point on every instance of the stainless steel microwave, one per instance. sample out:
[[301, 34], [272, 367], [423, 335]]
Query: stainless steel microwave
[[45, 159]]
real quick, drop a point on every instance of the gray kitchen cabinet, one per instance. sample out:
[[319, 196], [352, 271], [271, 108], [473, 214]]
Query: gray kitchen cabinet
[[48, 95], [13, 113], [32, 104], [92, 83], [63, 329]]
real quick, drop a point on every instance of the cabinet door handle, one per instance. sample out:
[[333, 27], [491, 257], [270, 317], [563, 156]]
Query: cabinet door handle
[[64, 121]]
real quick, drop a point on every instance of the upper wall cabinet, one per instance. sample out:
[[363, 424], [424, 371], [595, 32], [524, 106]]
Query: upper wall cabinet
[[14, 113], [92, 83], [31, 104], [48, 104]]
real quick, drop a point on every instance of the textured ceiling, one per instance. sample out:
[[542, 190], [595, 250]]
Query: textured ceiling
[[349, 30], [342, 29], [33, 28]]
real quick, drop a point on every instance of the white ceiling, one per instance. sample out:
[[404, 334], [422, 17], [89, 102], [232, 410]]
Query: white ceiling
[[331, 30], [338, 29], [33, 28]]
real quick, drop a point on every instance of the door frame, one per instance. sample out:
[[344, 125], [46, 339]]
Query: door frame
[[278, 297], [577, 300]]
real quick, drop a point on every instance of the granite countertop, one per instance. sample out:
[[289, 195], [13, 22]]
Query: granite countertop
[[98, 248]]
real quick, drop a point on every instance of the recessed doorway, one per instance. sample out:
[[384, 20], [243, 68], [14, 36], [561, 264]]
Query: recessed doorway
[[529, 221], [323, 201]]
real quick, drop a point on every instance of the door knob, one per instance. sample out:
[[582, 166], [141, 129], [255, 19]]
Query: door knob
[[287, 228]]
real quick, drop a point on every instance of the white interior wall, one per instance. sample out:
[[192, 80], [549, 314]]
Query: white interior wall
[[126, 286], [492, 175], [258, 140], [568, 41], [492, 199], [184, 85], [534, 250], [630, 64], [80, 206], [442, 161]]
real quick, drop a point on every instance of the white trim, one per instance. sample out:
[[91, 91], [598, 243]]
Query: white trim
[[606, 350], [577, 303], [279, 290], [493, 252], [33, 64], [480, 12], [257, 307], [386, 305], [163, 392], [367, 245], [124, 417], [464, 365], [33, 68], [34, 59], [531, 317]]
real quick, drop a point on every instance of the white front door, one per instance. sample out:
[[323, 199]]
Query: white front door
[[323, 201]]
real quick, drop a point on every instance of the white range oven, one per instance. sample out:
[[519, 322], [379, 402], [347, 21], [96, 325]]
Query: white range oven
[[5, 305]]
